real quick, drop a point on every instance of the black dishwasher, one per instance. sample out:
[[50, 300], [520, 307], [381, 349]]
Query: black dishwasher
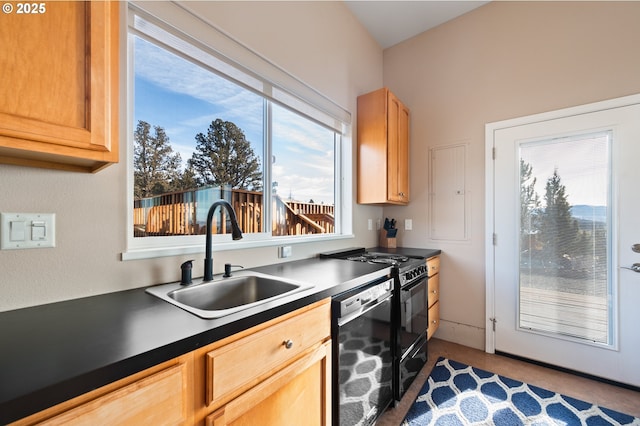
[[363, 355]]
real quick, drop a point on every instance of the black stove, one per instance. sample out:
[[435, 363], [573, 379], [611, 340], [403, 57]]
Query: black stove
[[409, 267], [410, 317]]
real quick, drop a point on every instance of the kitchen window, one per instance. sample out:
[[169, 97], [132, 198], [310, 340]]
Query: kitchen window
[[206, 126]]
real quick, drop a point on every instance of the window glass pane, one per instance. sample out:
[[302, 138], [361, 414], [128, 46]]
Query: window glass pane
[[565, 279], [303, 173], [197, 138]]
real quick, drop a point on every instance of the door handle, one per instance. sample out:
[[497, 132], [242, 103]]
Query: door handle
[[636, 248], [635, 267]]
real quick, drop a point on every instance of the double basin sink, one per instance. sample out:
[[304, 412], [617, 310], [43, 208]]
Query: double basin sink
[[227, 295]]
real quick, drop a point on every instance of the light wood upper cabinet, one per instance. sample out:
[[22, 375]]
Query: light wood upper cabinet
[[59, 86], [383, 149]]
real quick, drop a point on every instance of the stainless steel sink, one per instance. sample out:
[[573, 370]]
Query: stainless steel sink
[[224, 296]]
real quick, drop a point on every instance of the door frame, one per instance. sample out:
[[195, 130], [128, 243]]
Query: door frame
[[490, 130]]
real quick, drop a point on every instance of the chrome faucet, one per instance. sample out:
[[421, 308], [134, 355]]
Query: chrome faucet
[[236, 234]]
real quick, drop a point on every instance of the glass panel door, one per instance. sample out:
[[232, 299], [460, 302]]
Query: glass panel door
[[561, 287], [564, 273]]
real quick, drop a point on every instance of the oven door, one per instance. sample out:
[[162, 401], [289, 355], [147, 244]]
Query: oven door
[[413, 314], [410, 366], [412, 334]]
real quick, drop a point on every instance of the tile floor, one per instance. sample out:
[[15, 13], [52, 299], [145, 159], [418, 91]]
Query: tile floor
[[613, 397]]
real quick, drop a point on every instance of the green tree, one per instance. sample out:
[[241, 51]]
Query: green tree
[[529, 199], [224, 157], [562, 240], [156, 165], [188, 179], [529, 208]]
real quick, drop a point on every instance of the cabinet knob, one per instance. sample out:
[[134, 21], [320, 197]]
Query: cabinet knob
[[288, 344]]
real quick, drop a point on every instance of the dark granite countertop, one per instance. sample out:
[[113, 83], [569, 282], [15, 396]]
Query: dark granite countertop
[[54, 352]]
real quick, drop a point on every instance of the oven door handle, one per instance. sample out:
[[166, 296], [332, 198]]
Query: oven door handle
[[414, 284], [417, 345], [364, 309]]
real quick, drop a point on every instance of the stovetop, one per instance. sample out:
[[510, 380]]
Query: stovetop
[[409, 267], [373, 257]]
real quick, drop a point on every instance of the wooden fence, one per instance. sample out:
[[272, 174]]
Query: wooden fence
[[184, 213]]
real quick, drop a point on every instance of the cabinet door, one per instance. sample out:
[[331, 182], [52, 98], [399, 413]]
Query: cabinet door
[[434, 289], [160, 395], [397, 151], [59, 87], [434, 319], [433, 265], [298, 394], [372, 147], [263, 352]]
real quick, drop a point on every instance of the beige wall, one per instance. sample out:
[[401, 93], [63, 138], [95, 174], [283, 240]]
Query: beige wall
[[500, 61], [319, 42]]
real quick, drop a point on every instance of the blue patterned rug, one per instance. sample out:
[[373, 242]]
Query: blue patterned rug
[[457, 394]]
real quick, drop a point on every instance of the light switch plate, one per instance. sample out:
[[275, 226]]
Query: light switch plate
[[27, 230], [284, 252]]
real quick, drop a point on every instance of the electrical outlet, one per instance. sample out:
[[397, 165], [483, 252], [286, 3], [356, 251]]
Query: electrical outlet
[[370, 224], [408, 224]]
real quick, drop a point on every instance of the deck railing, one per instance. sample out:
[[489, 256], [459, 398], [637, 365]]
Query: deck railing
[[184, 213]]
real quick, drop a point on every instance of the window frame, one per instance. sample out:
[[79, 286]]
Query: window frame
[[279, 87]]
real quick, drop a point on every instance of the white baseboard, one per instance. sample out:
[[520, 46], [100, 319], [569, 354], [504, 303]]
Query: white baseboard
[[463, 334]]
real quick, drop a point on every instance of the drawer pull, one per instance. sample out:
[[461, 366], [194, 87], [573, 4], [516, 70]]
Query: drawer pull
[[434, 292], [288, 344]]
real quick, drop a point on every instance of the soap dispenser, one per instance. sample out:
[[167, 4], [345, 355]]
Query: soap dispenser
[[186, 272]]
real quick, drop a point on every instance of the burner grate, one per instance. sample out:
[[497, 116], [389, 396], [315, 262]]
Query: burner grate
[[384, 258]]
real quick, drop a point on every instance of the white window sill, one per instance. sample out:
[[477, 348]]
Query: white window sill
[[155, 252]]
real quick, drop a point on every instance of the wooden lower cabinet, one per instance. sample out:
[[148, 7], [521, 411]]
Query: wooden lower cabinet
[[433, 266], [273, 374], [276, 373], [300, 391], [434, 319], [160, 395]]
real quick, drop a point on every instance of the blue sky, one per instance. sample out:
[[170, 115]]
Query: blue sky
[[184, 98]]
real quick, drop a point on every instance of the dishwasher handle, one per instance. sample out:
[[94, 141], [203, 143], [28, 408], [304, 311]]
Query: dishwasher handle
[[364, 308]]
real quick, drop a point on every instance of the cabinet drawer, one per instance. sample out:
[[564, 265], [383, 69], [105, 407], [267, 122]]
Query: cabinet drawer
[[302, 390], [157, 399], [434, 290], [245, 362], [434, 320], [433, 265]]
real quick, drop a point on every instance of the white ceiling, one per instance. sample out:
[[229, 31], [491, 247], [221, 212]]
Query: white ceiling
[[393, 21]]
